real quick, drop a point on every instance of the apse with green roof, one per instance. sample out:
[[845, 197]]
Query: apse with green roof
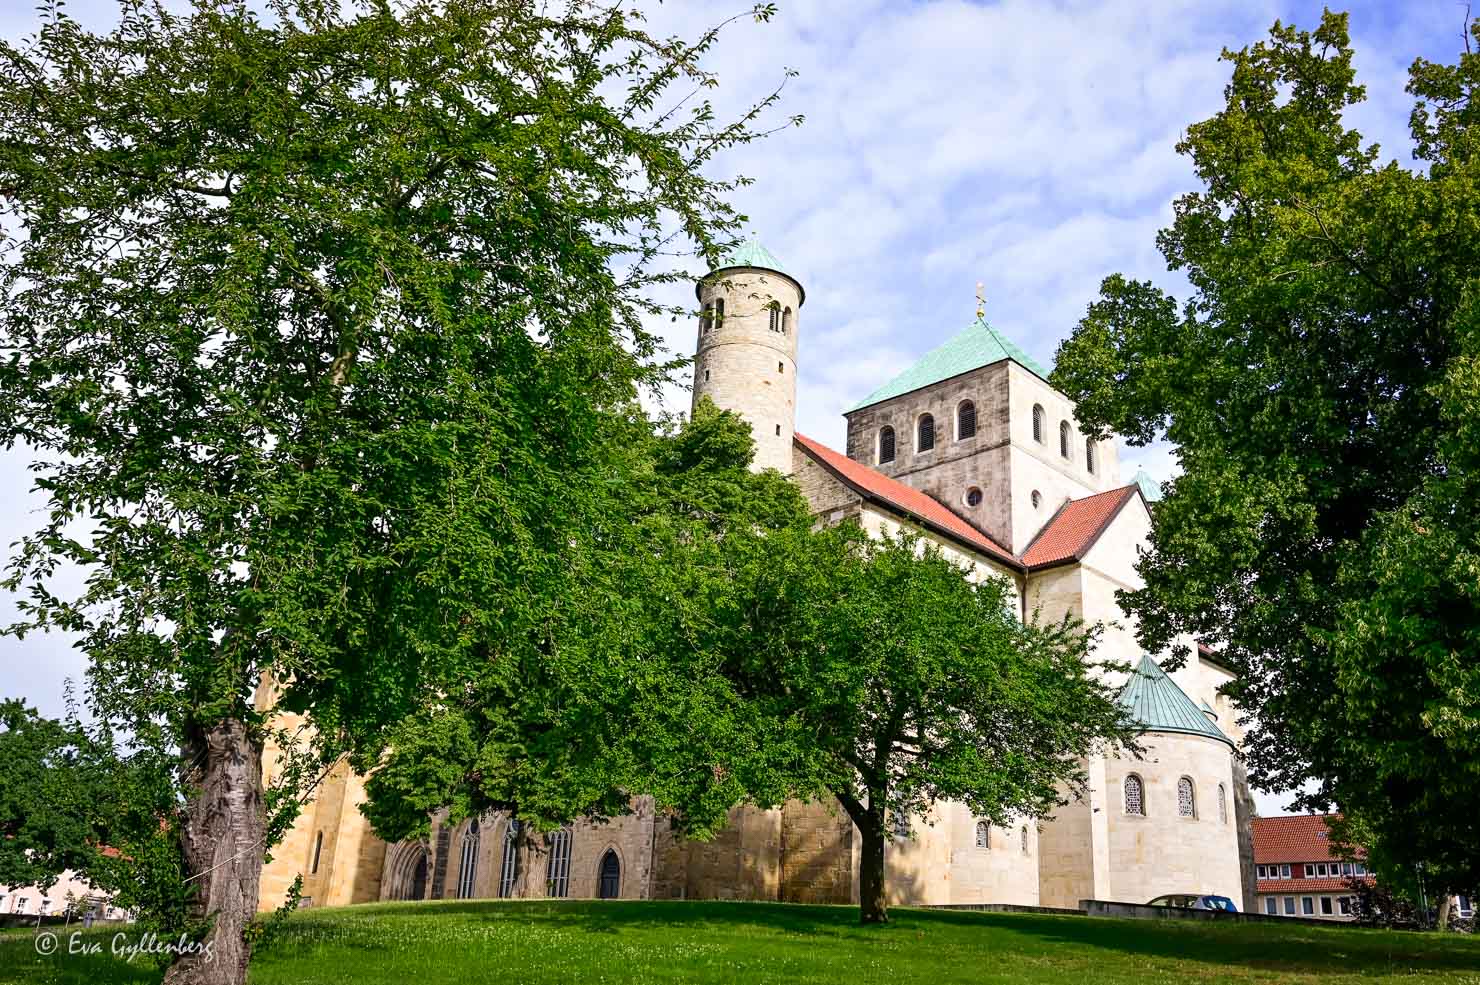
[[1156, 703]]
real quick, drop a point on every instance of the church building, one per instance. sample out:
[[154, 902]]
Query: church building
[[972, 449]]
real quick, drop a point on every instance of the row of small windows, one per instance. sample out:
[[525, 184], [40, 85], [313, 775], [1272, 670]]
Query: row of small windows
[[1314, 870], [984, 837], [1308, 906], [1135, 798], [557, 865], [1065, 436], [925, 431], [713, 315]]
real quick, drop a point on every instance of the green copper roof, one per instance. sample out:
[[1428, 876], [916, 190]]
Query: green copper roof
[[980, 345], [1150, 488], [1155, 700], [751, 254]]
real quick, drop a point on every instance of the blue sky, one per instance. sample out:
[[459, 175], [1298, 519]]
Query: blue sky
[[1026, 145]]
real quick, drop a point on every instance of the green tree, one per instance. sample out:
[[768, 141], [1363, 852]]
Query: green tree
[[325, 327], [1320, 384], [900, 681]]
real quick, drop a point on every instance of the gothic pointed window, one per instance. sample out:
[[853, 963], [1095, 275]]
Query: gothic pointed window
[[983, 835], [1186, 798], [1089, 455], [557, 868], [926, 435], [1064, 438], [508, 873], [1222, 804], [1038, 424], [1135, 795], [965, 420], [609, 876], [467, 871], [886, 444]]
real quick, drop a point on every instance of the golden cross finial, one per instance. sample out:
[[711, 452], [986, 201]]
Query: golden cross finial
[[981, 301]]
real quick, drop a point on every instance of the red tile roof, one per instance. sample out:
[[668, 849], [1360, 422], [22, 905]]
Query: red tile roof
[[1298, 838], [1073, 530], [1291, 887], [876, 485]]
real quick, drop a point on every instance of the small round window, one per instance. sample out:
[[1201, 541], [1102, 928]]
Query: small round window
[[973, 497], [1037, 499]]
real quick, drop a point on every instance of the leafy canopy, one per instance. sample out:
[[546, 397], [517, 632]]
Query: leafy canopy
[[1320, 386]]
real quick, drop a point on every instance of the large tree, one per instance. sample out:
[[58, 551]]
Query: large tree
[[1320, 384], [907, 681], [324, 325]]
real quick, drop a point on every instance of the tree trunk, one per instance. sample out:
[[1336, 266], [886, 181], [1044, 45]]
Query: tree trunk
[[872, 904], [225, 826], [1446, 903]]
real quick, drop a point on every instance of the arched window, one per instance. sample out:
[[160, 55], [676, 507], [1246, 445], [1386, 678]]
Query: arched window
[[901, 824], [1064, 438], [1023, 837], [468, 870], [706, 317], [719, 311], [1038, 424], [1135, 795], [983, 835], [965, 420], [776, 318], [318, 847], [1089, 455], [557, 869], [1222, 805], [1186, 798], [508, 872], [609, 881], [886, 444], [1037, 499], [786, 321], [926, 433]]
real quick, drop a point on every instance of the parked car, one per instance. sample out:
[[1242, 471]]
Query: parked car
[[1195, 901]]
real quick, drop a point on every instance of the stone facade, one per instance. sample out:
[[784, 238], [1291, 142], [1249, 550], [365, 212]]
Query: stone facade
[[746, 359], [1009, 478]]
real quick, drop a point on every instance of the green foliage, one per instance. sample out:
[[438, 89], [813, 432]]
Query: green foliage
[[1320, 385]]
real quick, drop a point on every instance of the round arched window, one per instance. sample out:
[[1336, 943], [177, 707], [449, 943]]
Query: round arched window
[[973, 497], [1037, 499]]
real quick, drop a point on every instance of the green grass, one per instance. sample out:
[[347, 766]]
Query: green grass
[[540, 942]]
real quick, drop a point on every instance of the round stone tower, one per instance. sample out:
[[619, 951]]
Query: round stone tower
[[746, 360]]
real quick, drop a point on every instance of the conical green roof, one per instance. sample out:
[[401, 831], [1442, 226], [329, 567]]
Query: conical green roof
[[1150, 488], [1155, 700], [751, 254], [980, 345]]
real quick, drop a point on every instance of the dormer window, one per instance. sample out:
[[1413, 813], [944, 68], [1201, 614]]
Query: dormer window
[[925, 439]]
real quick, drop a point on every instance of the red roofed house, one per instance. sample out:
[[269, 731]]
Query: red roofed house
[[1297, 872], [973, 450]]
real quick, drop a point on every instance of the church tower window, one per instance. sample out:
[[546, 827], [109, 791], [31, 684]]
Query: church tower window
[[786, 321], [1038, 424], [926, 434], [775, 319], [1186, 798], [974, 497], [1064, 438], [886, 445], [719, 311], [966, 420], [1135, 796]]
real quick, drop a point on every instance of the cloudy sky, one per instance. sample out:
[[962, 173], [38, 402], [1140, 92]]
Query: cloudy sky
[[1027, 145]]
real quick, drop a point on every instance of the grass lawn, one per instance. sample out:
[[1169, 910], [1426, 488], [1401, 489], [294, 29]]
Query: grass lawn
[[542, 942]]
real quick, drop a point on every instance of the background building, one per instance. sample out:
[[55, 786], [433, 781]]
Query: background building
[[1296, 871]]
